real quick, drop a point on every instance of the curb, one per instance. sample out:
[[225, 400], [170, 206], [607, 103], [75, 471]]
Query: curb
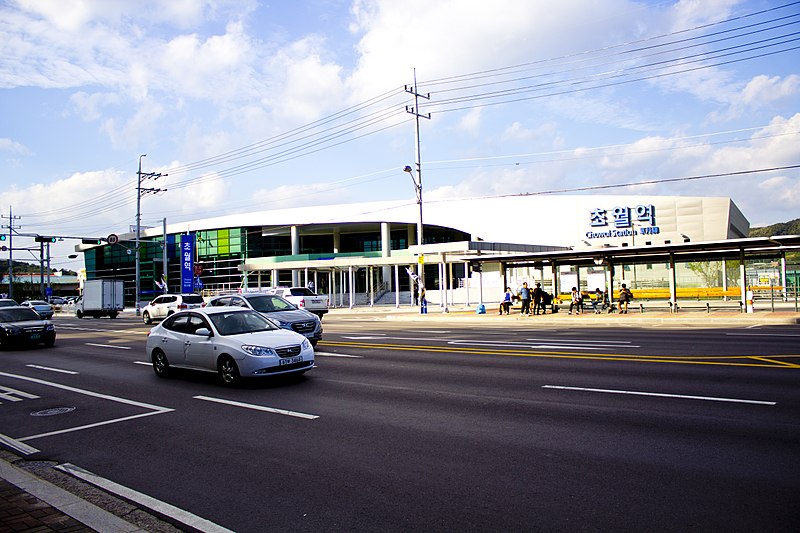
[[71, 505]]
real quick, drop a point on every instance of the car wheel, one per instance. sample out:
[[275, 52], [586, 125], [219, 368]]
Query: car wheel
[[228, 371], [50, 342], [160, 364], [313, 343], [112, 315], [79, 313], [146, 318]]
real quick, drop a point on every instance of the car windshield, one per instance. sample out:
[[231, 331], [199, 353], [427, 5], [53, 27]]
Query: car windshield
[[7, 303], [192, 298], [18, 315], [301, 291], [270, 303], [238, 322], [37, 302]]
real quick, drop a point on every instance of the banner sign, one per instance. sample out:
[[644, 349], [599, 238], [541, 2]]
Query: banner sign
[[187, 263], [623, 220]]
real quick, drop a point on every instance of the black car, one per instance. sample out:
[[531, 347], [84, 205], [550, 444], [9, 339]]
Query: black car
[[21, 325]]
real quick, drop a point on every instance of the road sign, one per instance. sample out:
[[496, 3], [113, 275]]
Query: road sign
[[113, 238]]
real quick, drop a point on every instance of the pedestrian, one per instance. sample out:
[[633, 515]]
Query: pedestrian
[[423, 302], [625, 296], [575, 301], [505, 305], [599, 301], [525, 297], [537, 298], [310, 285], [415, 294]]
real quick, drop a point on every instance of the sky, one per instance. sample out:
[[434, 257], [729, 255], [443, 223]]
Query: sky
[[242, 105]]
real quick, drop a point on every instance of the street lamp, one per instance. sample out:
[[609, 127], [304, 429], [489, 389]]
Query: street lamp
[[418, 188]]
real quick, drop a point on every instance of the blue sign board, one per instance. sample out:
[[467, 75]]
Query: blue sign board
[[187, 263]]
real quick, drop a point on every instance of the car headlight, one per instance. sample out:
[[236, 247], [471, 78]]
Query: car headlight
[[49, 327], [10, 330], [260, 351], [305, 345]]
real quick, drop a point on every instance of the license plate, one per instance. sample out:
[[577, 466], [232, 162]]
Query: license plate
[[35, 336], [292, 360]]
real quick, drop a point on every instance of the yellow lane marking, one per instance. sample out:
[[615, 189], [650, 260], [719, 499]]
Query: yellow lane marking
[[771, 360], [699, 360]]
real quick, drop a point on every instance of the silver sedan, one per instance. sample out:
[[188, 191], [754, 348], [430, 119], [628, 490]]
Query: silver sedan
[[234, 342]]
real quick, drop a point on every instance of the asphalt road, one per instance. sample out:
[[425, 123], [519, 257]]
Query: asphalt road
[[436, 427]]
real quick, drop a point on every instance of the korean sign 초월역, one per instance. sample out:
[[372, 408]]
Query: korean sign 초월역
[[187, 263]]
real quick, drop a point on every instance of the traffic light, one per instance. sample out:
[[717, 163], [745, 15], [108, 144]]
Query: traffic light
[[92, 241], [40, 238]]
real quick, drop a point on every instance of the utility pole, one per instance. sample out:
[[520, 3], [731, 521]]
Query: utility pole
[[11, 227], [139, 192], [418, 182]]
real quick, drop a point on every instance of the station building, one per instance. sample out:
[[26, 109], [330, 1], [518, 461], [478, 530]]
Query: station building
[[363, 253]]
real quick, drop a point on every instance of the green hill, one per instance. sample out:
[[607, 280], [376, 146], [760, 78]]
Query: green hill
[[782, 228]]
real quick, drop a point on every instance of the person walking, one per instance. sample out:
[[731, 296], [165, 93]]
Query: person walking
[[575, 301], [423, 302], [625, 296], [505, 305], [537, 298], [525, 296]]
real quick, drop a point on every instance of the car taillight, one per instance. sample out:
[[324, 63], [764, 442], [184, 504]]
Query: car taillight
[[302, 302], [183, 306]]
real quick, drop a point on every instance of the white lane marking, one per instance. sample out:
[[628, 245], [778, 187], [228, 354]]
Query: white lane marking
[[108, 346], [141, 363], [53, 369], [258, 407], [660, 394], [163, 508], [763, 334], [96, 424], [155, 409], [331, 354], [370, 337], [10, 395], [21, 447]]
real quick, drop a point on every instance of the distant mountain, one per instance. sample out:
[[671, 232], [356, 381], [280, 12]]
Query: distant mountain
[[782, 228]]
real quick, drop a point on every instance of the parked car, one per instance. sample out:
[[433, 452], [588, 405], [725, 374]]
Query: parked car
[[166, 304], [286, 314], [8, 302], [304, 298], [44, 309], [232, 341], [21, 325], [57, 300]]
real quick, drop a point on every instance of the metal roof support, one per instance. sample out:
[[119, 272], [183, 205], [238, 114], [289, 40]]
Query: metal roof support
[[743, 278], [673, 284]]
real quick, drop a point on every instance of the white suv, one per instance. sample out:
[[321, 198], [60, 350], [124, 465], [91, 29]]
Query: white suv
[[166, 304]]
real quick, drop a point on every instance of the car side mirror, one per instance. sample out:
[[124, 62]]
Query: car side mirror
[[205, 332]]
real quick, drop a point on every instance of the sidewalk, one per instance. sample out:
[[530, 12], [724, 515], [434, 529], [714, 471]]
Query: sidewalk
[[30, 503], [695, 317]]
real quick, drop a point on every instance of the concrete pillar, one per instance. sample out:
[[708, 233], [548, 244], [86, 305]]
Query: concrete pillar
[[295, 251], [337, 240], [386, 251]]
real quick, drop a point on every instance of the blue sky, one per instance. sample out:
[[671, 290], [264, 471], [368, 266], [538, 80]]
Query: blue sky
[[252, 105]]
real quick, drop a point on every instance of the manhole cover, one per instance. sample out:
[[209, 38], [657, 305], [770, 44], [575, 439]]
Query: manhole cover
[[53, 411]]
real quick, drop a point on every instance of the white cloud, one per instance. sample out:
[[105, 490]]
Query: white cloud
[[764, 89], [13, 147], [89, 107]]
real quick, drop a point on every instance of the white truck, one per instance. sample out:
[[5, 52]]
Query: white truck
[[101, 297], [303, 298]]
